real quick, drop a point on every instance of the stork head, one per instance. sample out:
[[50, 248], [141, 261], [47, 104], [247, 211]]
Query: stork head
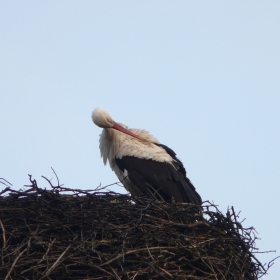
[[102, 119]]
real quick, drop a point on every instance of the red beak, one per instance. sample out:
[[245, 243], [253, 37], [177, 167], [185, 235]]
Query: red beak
[[126, 131]]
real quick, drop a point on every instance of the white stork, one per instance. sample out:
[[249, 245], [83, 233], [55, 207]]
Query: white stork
[[142, 164]]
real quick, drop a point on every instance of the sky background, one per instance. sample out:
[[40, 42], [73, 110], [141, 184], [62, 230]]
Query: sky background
[[202, 76]]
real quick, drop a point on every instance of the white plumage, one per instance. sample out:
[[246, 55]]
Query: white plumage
[[142, 164]]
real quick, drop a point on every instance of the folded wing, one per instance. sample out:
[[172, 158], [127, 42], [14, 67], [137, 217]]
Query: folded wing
[[162, 180]]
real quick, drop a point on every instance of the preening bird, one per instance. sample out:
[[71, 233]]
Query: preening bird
[[142, 164]]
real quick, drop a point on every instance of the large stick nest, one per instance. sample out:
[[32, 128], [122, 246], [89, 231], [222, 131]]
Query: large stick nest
[[47, 234]]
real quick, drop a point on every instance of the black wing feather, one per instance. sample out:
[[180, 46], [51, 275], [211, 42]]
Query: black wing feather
[[160, 179]]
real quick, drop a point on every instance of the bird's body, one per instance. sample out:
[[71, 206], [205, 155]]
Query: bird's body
[[142, 164]]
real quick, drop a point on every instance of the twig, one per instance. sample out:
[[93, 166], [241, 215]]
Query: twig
[[56, 178], [14, 263], [6, 182], [49, 247], [5, 190], [47, 273], [115, 273], [4, 234], [138, 250], [157, 272]]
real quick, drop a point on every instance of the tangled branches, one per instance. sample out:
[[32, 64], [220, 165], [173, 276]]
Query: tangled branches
[[47, 234]]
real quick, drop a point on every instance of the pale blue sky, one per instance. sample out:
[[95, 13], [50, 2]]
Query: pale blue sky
[[202, 76]]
